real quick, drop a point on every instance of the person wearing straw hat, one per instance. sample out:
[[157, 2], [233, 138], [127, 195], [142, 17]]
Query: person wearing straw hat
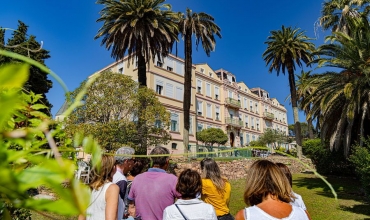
[[124, 163]]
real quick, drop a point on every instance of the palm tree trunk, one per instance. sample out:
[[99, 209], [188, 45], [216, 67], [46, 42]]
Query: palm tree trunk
[[293, 94], [141, 69], [310, 128], [141, 124], [187, 89]]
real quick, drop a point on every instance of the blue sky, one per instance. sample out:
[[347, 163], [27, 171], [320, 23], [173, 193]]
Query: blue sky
[[67, 29]]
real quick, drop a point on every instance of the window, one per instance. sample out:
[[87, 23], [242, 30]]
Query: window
[[169, 68], [179, 93], [230, 94], [251, 106], [246, 121], [252, 123], [199, 127], [245, 103], [208, 89], [209, 110], [247, 138], [159, 87], [217, 110], [120, 70], [216, 93], [174, 122], [159, 64], [199, 86], [201, 70], [173, 146], [258, 124], [256, 107], [120, 67], [253, 138], [210, 74], [241, 139], [199, 107], [169, 90], [158, 124]]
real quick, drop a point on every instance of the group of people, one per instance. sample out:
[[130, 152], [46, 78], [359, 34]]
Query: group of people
[[121, 191]]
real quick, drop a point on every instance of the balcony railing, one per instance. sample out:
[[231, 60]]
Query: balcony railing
[[234, 122], [268, 115], [233, 102]]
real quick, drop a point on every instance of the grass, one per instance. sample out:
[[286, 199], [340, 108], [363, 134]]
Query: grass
[[319, 200]]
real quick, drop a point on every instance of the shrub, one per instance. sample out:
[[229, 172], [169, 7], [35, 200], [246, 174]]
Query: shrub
[[360, 158], [326, 161]]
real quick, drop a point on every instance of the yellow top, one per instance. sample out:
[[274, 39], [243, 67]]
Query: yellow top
[[220, 201]]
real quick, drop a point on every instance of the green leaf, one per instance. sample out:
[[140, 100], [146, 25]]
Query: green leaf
[[38, 106], [13, 75]]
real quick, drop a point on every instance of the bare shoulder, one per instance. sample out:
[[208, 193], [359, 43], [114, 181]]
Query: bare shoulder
[[113, 188], [240, 215]]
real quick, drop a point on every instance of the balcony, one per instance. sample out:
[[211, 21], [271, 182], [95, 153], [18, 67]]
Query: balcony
[[233, 103], [268, 116], [236, 122]]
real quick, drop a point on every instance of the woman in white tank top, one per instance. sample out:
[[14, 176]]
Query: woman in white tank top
[[268, 194], [104, 194]]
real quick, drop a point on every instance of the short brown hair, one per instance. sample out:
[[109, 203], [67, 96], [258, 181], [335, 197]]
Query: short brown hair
[[264, 178], [284, 168], [189, 184]]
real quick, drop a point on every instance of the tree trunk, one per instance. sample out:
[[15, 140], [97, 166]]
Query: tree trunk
[[187, 89], [310, 129], [293, 95], [141, 69], [141, 124]]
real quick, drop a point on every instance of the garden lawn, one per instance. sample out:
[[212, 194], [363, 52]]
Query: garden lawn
[[320, 202], [316, 194]]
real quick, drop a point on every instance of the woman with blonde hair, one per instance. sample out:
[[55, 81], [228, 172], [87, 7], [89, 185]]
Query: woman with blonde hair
[[215, 189], [104, 193], [268, 194]]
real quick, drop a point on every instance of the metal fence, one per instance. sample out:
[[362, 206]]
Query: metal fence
[[200, 151]]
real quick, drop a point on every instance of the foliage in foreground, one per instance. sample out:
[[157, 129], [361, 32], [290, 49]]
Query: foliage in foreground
[[24, 163], [22, 43], [110, 113]]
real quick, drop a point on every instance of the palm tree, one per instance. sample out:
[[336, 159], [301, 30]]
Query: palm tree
[[341, 100], [203, 27], [335, 13], [304, 89], [285, 49], [142, 28]]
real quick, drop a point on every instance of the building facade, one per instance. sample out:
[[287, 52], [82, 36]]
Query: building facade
[[217, 100]]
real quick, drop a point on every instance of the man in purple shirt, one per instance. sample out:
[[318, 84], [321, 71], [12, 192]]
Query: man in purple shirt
[[155, 189]]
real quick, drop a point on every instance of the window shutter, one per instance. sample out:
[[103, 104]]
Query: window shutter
[[179, 94], [169, 90]]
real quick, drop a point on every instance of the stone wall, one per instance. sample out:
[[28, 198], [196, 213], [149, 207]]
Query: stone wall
[[236, 169]]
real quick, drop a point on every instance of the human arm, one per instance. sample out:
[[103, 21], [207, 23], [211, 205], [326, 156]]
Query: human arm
[[240, 215], [111, 199], [81, 217]]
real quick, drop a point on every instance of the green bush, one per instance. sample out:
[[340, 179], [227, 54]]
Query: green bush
[[360, 158], [326, 161]]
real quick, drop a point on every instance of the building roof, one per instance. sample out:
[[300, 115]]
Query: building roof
[[62, 109]]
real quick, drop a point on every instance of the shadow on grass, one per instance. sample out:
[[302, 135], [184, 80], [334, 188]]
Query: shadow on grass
[[347, 188]]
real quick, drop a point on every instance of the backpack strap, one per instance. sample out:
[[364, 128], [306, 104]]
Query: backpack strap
[[181, 212]]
